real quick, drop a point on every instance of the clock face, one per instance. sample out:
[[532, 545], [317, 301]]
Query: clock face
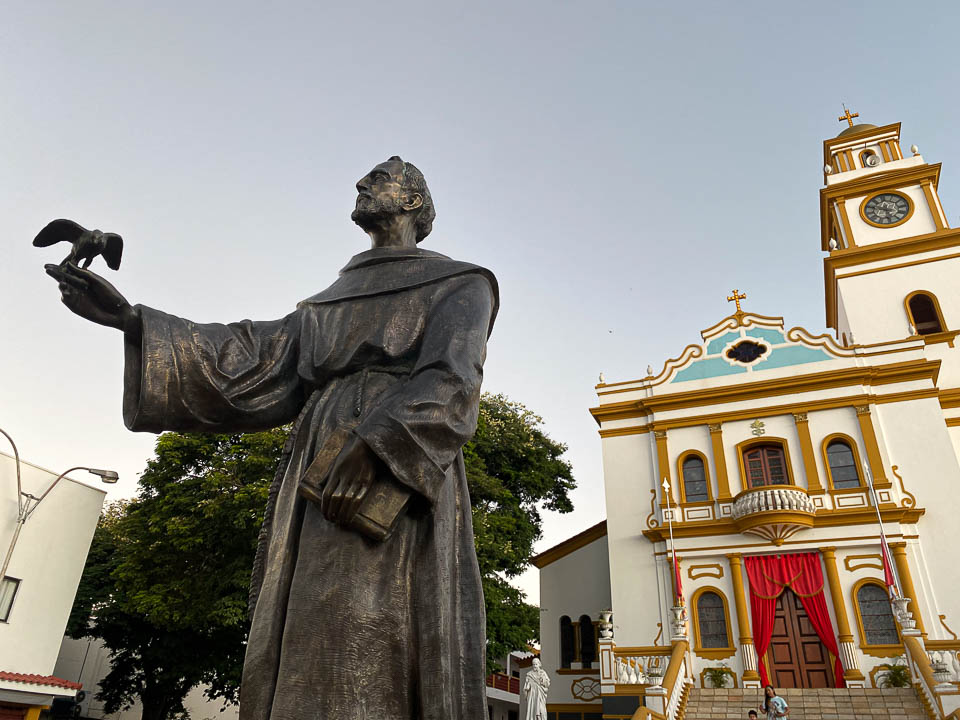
[[886, 209]]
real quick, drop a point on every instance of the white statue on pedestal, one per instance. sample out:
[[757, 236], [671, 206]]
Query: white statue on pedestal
[[535, 691]]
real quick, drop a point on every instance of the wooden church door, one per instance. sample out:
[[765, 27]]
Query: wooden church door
[[797, 657]]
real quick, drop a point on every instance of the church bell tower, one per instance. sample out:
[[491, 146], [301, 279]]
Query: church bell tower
[[893, 264]]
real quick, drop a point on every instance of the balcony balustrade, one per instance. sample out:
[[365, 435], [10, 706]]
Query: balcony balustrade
[[774, 512]]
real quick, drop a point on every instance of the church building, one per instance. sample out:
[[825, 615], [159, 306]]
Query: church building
[[772, 460]]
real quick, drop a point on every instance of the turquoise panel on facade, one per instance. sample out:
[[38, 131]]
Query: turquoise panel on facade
[[792, 355], [774, 337], [706, 368], [717, 344]]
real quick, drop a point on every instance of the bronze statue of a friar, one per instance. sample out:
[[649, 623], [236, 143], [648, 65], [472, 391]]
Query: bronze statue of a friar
[[366, 594]]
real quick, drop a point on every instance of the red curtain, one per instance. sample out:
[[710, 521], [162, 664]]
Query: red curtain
[[769, 575]]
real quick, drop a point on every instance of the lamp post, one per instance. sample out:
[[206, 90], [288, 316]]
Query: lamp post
[[27, 503]]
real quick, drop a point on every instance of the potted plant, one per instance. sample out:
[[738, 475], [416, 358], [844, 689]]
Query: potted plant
[[717, 676], [895, 676]]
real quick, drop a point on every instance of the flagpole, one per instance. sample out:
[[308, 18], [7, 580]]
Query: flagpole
[[884, 548], [673, 548]]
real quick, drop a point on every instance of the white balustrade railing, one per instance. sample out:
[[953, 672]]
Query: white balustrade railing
[[641, 669], [945, 666], [772, 498], [676, 692]]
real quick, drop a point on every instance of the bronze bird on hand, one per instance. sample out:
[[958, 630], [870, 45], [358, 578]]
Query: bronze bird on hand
[[87, 244]]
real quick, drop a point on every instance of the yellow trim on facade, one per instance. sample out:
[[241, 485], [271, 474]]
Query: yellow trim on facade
[[887, 181], [863, 562], [910, 208], [906, 371], [869, 435], [881, 651], [936, 306], [885, 151], [829, 555], [663, 466], [838, 260], [620, 432], [928, 193], [681, 482], [711, 570], [719, 460], [772, 410], [749, 547], [899, 552], [856, 459], [806, 447], [711, 653], [849, 240], [822, 518], [735, 561]]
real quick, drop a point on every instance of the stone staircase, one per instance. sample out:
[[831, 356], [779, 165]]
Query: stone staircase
[[826, 704]]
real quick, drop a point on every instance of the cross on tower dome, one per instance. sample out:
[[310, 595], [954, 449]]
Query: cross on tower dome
[[848, 116]]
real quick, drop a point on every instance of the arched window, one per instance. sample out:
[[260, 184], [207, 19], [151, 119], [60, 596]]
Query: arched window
[[568, 642], [876, 619], [925, 313], [842, 463], [694, 479], [711, 624], [765, 465], [588, 642]]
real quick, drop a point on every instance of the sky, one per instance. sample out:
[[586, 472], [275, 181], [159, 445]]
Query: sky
[[620, 166]]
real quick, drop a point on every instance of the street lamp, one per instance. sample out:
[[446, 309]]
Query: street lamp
[[27, 503]]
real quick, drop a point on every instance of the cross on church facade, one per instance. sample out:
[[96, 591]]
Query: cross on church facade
[[848, 116], [736, 298]]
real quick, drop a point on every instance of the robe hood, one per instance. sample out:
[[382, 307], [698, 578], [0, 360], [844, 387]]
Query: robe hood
[[382, 271]]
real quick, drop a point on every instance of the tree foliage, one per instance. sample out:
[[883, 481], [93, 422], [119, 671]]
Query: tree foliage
[[166, 582], [513, 469], [165, 585]]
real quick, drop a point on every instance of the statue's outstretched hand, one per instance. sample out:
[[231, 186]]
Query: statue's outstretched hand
[[350, 480], [91, 297]]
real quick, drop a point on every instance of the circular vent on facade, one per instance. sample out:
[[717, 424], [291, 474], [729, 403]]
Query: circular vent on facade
[[746, 351]]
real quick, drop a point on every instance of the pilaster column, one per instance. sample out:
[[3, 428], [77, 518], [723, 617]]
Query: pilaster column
[[928, 192], [663, 465], [873, 448], [748, 653], [899, 551], [848, 653], [809, 459], [719, 461]]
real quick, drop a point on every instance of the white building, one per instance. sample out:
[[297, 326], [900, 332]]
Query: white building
[[767, 437], [40, 583]]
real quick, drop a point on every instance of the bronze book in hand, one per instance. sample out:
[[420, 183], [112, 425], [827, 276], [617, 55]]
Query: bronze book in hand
[[381, 507]]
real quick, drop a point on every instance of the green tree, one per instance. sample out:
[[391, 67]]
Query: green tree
[[166, 582], [165, 585], [514, 469]]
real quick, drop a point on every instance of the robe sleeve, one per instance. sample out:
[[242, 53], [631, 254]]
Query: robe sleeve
[[181, 375], [419, 429]]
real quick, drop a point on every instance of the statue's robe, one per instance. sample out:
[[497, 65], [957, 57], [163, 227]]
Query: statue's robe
[[344, 627]]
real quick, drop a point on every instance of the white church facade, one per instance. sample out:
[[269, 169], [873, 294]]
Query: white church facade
[[769, 437]]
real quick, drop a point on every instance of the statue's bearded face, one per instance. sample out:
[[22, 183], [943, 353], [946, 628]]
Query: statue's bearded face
[[379, 194]]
